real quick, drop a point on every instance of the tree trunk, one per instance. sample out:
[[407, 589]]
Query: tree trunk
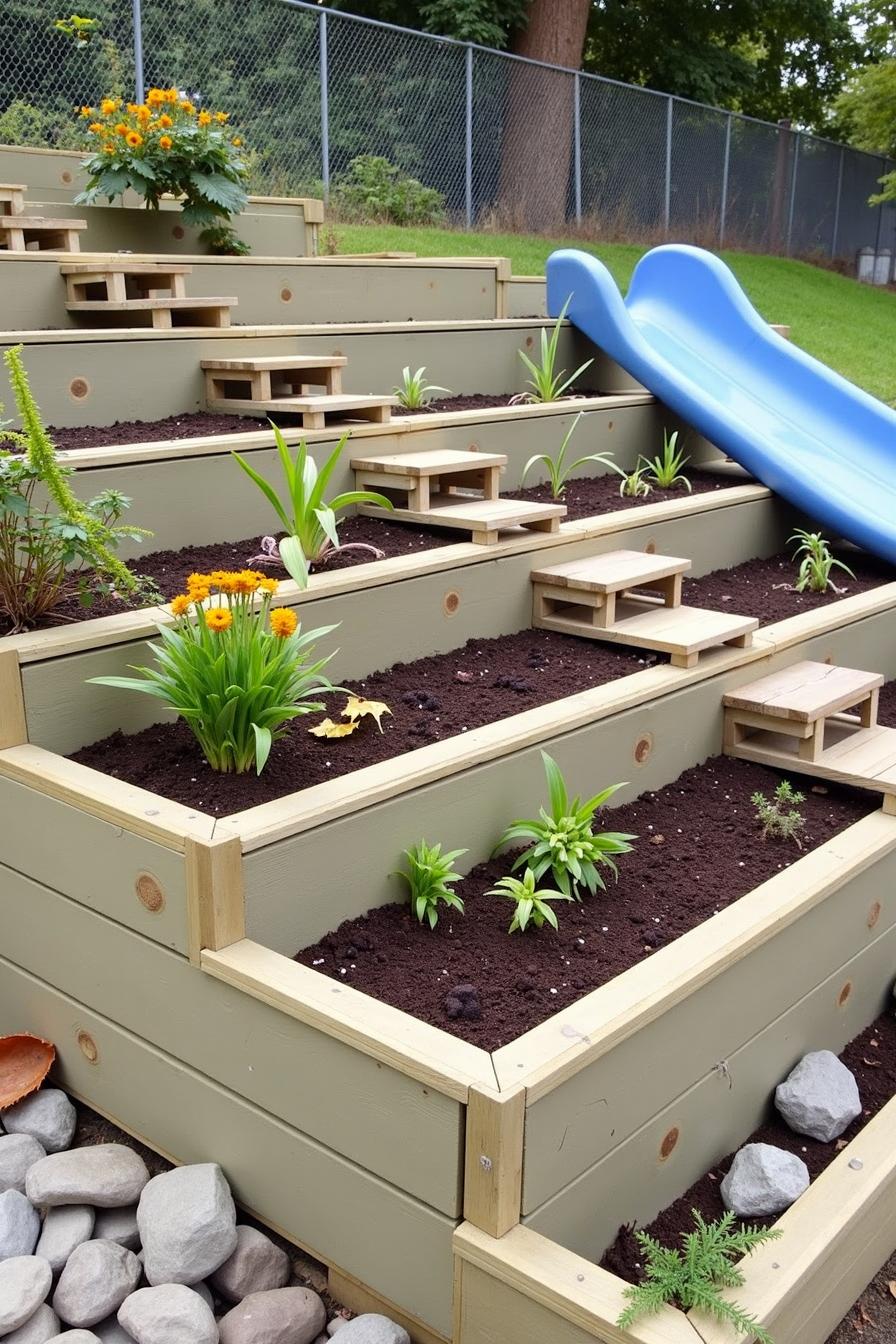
[[538, 123]]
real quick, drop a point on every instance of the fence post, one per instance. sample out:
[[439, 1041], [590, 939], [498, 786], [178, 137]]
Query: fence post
[[836, 228], [723, 209], [577, 143], [667, 207], [468, 138], [880, 219], [324, 107], [139, 85], [796, 162]]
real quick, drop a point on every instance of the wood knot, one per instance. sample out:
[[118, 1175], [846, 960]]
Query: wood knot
[[650, 548], [667, 1147], [643, 748], [87, 1046], [149, 892], [874, 914], [79, 388], [450, 602], [844, 993], [286, 295]]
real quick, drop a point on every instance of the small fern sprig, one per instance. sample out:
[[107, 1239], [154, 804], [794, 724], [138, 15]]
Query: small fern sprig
[[695, 1275]]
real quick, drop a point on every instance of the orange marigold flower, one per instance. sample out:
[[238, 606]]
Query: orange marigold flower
[[188, 107], [246, 581], [143, 114], [172, 95], [222, 117], [236, 141], [109, 105], [96, 128], [86, 111], [181, 604], [218, 619], [283, 622], [134, 139], [165, 120], [205, 118], [268, 585], [120, 128], [194, 579], [155, 97], [165, 142], [108, 149]]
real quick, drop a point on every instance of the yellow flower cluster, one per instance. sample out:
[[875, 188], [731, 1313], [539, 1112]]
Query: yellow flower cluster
[[240, 583], [147, 124]]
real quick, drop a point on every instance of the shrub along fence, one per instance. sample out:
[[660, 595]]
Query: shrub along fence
[[502, 139]]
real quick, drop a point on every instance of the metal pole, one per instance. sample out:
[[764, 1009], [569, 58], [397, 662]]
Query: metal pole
[[724, 205], [667, 210], [577, 143], [324, 108], [880, 216], [139, 86], [836, 229], [468, 138], [796, 160]]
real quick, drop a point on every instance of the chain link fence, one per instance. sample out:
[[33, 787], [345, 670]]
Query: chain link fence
[[504, 140]]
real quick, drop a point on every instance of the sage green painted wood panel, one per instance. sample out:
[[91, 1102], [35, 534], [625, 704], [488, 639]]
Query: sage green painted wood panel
[[338, 1211], [95, 863], [387, 1123], [345, 864], [633, 1183], [579, 1123], [492, 1312], [131, 378], [380, 626], [526, 296]]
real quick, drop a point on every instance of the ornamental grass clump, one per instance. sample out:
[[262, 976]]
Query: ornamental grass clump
[[430, 878], [167, 145], [234, 668], [50, 552]]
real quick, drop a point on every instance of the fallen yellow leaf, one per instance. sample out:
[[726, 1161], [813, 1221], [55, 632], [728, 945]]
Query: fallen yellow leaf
[[330, 729], [356, 707], [892, 1287]]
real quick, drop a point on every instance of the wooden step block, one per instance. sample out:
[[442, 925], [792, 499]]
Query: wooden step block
[[864, 757], [411, 480], [118, 281], [32, 233], [12, 198], [271, 377], [316, 411], [483, 518], [594, 583], [162, 311], [682, 632]]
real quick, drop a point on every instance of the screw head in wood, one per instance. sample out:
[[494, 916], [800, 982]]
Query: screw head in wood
[[149, 892], [451, 602], [88, 1047], [485, 1162], [667, 1147]]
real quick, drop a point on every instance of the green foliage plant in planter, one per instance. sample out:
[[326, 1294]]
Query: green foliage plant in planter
[[558, 469], [545, 382], [430, 878], [532, 904], [168, 145], [373, 189], [815, 563], [414, 392]]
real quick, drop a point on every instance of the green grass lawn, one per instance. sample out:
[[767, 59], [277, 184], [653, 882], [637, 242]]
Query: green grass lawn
[[847, 325]]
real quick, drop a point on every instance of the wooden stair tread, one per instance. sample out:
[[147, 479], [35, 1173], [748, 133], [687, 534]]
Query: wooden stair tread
[[99, 267], [864, 758], [146, 305], [613, 572], [683, 631], [477, 514], [805, 692], [17, 187], [284, 363], [323, 404], [433, 462], [32, 223]]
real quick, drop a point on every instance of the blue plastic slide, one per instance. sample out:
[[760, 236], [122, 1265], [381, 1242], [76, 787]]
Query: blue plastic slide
[[688, 333]]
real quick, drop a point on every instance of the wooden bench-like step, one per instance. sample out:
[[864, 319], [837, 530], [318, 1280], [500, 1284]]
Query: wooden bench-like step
[[317, 412], [33, 233], [269, 377], [12, 198], [118, 281], [682, 632], [596, 581], [412, 480], [484, 519], [189, 312]]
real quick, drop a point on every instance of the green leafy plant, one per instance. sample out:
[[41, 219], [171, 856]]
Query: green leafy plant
[[78, 28], [546, 383], [309, 520], [430, 878], [558, 469], [50, 553], [166, 145], [565, 840], [779, 815], [666, 468], [532, 903], [695, 1275], [633, 484], [373, 189], [413, 392], [816, 564], [223, 241], [236, 671]]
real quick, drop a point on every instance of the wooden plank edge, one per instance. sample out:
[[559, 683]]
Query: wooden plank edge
[[13, 724], [553, 1052], [565, 1283], [362, 260], [216, 912], [493, 1158], [134, 810], [91, 335], [448, 1065]]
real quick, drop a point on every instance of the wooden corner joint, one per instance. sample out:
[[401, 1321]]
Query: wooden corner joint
[[13, 723], [493, 1162], [216, 915]]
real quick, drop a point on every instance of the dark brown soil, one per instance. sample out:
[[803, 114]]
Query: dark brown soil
[[476, 401], [698, 850], [872, 1059], [587, 496], [429, 700], [189, 425], [764, 588]]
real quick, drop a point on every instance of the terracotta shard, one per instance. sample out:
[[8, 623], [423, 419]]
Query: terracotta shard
[[25, 1061]]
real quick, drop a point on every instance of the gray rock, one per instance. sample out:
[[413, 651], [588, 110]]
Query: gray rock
[[187, 1223], [96, 1280], [75, 1337], [19, 1225], [820, 1097], [107, 1175], [24, 1283], [18, 1152], [170, 1313], [205, 1293], [256, 1266], [64, 1228], [47, 1116], [40, 1327], [110, 1332], [337, 1323], [372, 1328], [281, 1316], [118, 1225], [763, 1180]]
